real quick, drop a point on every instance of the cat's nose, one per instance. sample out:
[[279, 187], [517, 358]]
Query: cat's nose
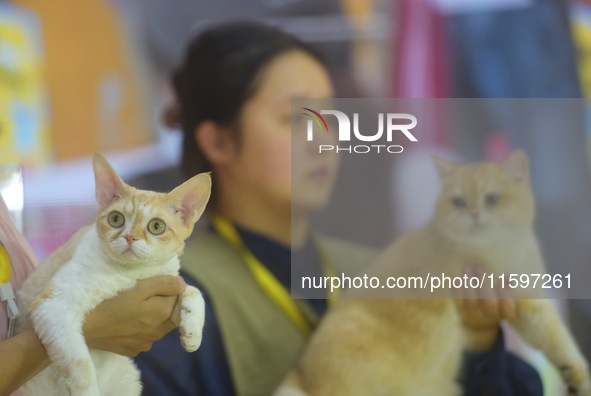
[[475, 214], [130, 238]]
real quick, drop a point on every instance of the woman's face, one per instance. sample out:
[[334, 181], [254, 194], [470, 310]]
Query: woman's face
[[264, 159]]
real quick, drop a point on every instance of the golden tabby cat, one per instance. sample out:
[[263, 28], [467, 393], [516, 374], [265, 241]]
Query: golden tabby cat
[[413, 347]]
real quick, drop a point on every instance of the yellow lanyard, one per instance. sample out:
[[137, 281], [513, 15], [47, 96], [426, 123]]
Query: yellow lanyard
[[265, 279], [6, 292]]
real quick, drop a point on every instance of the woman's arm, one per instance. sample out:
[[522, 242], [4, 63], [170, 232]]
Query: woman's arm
[[21, 358], [129, 323], [481, 318], [126, 324], [488, 367]]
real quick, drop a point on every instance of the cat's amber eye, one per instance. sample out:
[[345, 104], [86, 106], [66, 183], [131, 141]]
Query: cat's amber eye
[[491, 199], [156, 226], [116, 219], [459, 202]]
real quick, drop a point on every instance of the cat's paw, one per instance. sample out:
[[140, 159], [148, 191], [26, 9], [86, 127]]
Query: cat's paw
[[93, 391], [190, 340], [89, 393], [192, 319], [577, 379]]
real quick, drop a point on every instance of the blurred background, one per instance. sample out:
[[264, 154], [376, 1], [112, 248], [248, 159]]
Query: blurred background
[[92, 75]]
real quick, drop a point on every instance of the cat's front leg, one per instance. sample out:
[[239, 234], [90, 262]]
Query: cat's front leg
[[540, 325], [192, 311], [60, 331]]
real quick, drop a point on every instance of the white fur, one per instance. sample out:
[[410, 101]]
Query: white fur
[[89, 278], [89, 269]]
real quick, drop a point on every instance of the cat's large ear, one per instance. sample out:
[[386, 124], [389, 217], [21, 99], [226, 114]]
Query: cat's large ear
[[444, 168], [516, 165], [109, 185], [191, 197]]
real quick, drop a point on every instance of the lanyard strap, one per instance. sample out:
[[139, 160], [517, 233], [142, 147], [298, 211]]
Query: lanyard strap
[[6, 292], [265, 279]]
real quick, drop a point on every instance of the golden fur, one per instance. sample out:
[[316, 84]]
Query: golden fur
[[403, 343]]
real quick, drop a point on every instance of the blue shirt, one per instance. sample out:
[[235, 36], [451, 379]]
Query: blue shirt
[[168, 370]]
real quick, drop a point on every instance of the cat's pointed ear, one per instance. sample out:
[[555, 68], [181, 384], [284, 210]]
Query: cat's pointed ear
[[109, 185], [516, 165], [444, 168], [191, 197]]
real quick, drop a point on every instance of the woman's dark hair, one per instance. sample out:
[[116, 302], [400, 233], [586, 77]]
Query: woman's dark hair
[[219, 75]]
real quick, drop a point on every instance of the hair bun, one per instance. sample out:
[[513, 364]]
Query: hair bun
[[171, 117]]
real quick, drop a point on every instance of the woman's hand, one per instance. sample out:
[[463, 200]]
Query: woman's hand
[[130, 322], [481, 312]]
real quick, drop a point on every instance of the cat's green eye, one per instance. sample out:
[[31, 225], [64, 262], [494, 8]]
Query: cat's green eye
[[116, 219], [491, 199], [459, 202], [156, 226]]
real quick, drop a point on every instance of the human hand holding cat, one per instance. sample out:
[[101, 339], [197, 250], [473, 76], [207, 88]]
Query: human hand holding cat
[[130, 322], [481, 312]]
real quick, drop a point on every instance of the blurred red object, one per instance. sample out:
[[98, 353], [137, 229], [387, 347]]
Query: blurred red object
[[421, 60], [421, 55]]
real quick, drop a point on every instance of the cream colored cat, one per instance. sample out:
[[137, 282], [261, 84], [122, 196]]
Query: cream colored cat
[[484, 216], [137, 235]]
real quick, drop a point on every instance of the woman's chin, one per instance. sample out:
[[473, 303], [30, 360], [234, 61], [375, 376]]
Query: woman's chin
[[309, 205]]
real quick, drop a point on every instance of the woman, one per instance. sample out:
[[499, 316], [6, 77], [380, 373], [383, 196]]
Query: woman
[[234, 94], [127, 324]]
